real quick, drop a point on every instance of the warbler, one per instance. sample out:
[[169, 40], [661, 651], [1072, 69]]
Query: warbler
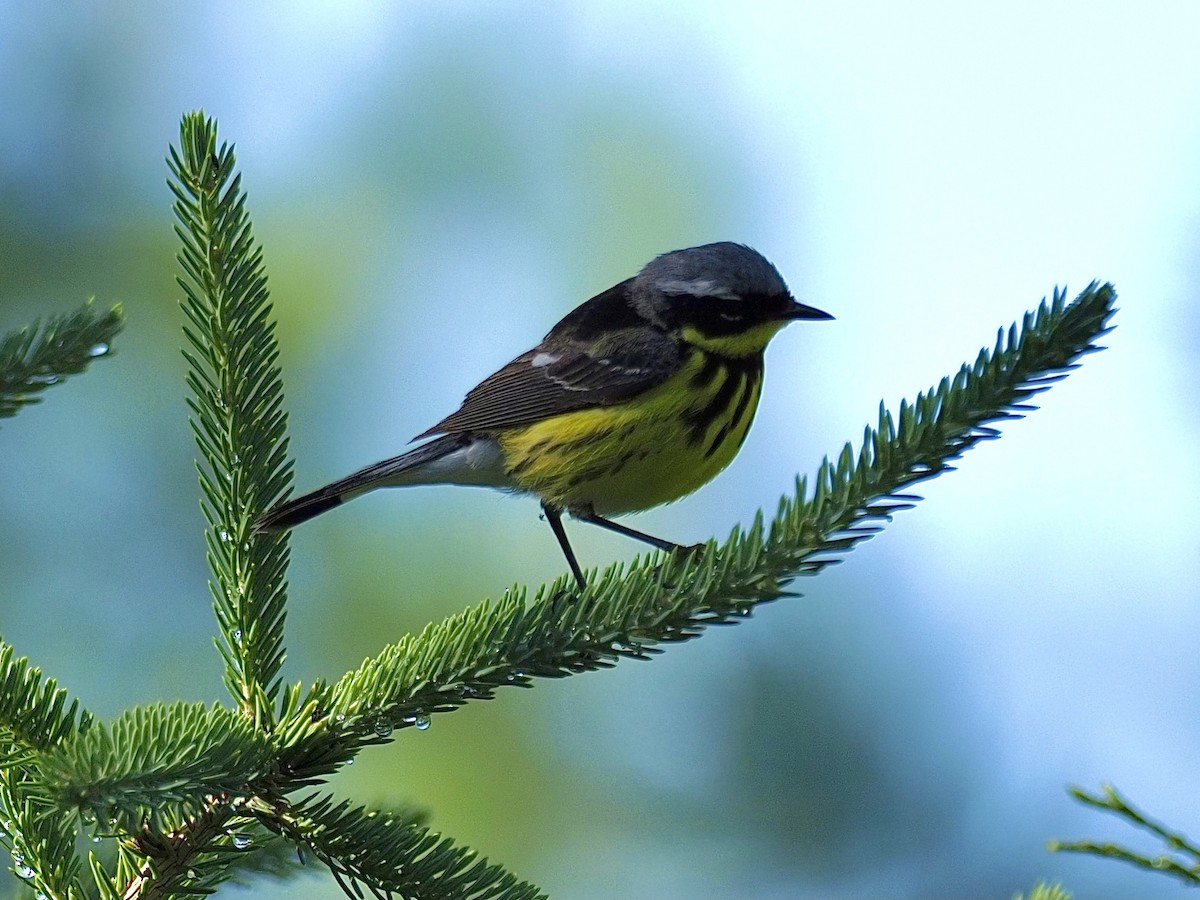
[[636, 398]]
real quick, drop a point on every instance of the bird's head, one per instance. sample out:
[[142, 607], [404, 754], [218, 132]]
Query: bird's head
[[724, 298]]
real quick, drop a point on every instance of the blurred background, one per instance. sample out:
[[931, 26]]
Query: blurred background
[[435, 185]]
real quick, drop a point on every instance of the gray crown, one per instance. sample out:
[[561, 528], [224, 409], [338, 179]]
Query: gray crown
[[723, 270]]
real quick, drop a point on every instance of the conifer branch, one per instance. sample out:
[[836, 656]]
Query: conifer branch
[[45, 353], [238, 420], [272, 857], [391, 853], [34, 714], [192, 859], [1180, 856], [157, 764], [628, 613], [40, 838]]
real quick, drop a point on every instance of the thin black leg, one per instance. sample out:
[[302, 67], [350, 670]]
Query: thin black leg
[[554, 517], [586, 515]]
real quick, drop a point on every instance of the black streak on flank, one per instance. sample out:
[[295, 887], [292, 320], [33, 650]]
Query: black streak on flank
[[708, 371], [738, 412], [738, 373]]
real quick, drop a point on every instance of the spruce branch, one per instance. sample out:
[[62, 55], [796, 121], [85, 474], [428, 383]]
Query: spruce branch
[[628, 612], [390, 853], [1180, 856], [35, 716], [272, 857], [34, 713], [238, 420], [157, 764], [191, 859], [40, 838], [47, 352]]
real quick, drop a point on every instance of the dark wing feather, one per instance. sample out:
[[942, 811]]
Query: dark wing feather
[[574, 368]]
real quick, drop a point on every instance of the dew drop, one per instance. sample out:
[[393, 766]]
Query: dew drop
[[237, 635], [241, 841], [422, 723], [98, 349], [383, 728]]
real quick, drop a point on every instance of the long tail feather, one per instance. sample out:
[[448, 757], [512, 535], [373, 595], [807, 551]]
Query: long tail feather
[[381, 474]]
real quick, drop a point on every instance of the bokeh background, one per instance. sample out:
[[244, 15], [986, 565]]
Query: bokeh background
[[435, 185]]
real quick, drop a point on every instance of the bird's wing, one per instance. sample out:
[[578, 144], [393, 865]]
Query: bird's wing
[[563, 375]]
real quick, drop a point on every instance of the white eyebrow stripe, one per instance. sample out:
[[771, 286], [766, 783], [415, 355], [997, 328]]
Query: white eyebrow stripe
[[697, 287]]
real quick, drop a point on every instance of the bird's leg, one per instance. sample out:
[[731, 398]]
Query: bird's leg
[[554, 517], [587, 514]]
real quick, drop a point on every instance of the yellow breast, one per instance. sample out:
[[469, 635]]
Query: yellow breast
[[654, 448]]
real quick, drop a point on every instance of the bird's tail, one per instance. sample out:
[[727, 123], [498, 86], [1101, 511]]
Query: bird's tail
[[389, 472]]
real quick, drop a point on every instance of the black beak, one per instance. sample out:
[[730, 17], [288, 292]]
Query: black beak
[[800, 311]]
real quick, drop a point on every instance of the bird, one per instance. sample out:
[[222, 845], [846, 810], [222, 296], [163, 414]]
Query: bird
[[636, 398]]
